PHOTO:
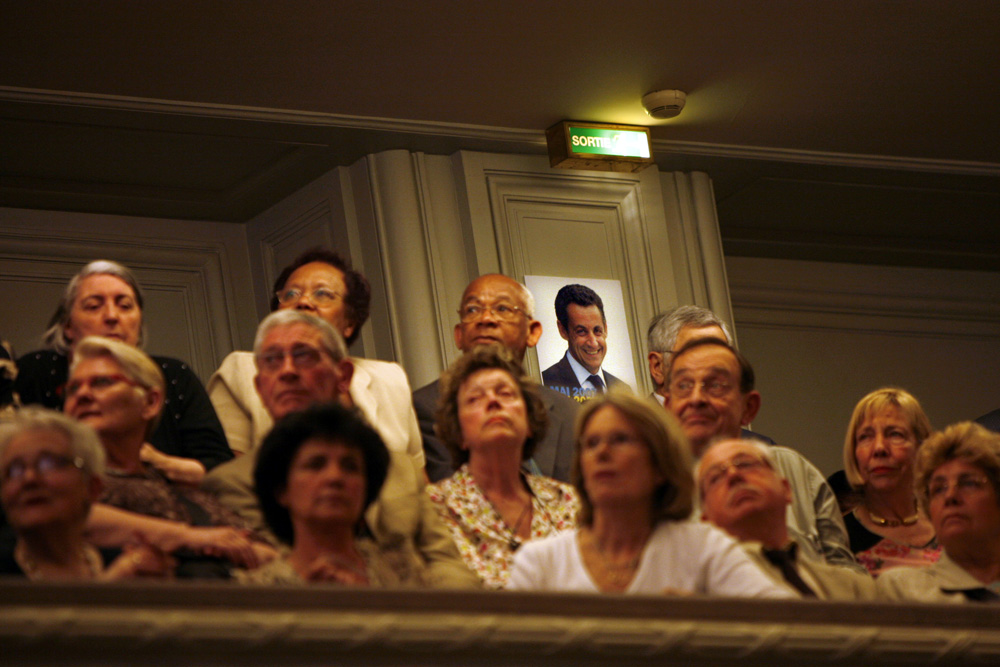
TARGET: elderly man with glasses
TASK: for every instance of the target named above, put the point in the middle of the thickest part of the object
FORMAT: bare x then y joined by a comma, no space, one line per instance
301,361
710,389
497,310
743,493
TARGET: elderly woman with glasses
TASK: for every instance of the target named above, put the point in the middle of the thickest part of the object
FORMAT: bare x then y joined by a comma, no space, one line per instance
322,283
104,299
118,390
958,485
51,470
633,474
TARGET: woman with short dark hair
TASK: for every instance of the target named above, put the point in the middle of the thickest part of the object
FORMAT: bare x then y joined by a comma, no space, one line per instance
317,472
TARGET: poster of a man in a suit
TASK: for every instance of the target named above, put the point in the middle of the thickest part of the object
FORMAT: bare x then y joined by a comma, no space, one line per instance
580,370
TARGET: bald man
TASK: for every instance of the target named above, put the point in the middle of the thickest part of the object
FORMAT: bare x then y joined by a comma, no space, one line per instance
495,310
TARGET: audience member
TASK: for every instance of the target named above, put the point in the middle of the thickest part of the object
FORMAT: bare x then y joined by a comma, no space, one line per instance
580,318
51,470
633,476
743,494
668,332
494,310
316,473
958,484
710,389
875,490
491,417
118,390
321,283
104,299
301,361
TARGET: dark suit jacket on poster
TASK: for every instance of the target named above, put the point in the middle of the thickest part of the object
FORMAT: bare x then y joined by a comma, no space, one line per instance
553,455
560,377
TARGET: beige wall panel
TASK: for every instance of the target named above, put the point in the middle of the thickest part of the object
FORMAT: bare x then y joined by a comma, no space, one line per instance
822,335
313,216
188,271
526,218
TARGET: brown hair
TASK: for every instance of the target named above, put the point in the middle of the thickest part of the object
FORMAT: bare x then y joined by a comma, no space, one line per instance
673,499
484,357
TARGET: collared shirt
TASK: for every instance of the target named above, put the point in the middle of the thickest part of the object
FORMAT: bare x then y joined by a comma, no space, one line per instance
482,537
829,582
583,375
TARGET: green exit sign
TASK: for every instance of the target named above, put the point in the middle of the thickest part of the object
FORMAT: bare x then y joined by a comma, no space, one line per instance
608,141
598,146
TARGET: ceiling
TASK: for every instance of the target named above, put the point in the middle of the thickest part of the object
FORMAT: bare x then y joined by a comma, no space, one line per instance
853,130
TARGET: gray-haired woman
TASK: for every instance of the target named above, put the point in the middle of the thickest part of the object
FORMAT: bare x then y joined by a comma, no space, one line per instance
104,299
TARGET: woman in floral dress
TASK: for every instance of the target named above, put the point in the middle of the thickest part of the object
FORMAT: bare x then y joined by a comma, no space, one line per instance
491,416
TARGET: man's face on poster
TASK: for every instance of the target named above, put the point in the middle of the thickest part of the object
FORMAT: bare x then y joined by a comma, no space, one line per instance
587,335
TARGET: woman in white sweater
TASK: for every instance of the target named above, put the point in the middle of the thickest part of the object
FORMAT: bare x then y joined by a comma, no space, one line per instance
632,473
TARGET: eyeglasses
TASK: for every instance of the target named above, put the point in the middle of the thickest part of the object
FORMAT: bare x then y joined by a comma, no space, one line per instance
504,312
965,484
97,383
303,358
321,296
46,464
715,388
741,464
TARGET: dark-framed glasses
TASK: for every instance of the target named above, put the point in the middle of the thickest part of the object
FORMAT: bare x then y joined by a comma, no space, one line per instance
303,357
45,464
321,296
505,312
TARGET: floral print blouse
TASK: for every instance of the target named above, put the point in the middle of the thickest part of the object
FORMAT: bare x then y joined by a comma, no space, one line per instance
877,553
486,543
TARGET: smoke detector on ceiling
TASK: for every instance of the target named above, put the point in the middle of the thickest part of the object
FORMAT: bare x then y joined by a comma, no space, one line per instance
663,104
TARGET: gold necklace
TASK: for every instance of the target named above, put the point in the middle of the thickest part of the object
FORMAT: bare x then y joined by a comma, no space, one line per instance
891,523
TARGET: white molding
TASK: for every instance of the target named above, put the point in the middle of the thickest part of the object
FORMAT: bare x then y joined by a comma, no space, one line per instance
513,136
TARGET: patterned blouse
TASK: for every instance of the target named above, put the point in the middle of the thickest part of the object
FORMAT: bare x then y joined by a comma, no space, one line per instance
150,493
486,543
877,553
